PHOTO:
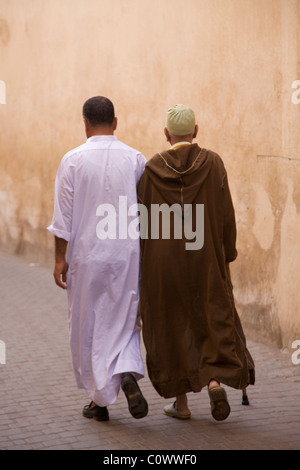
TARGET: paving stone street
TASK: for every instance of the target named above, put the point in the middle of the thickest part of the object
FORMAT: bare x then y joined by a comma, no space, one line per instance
40,406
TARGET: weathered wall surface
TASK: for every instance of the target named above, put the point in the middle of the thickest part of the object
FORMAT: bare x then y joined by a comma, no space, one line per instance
234,62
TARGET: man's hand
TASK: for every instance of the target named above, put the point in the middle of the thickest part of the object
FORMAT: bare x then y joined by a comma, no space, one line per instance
60,273
61,266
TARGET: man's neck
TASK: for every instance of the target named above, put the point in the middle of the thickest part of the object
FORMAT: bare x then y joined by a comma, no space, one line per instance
99,131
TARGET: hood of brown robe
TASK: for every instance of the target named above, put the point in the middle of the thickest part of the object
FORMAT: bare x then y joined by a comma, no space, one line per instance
179,174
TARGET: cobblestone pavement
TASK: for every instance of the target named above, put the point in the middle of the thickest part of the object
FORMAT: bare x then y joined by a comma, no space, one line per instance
40,406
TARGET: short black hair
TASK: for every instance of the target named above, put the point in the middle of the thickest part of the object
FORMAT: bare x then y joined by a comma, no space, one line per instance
98,111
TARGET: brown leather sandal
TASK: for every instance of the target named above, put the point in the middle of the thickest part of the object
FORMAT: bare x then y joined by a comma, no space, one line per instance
137,405
220,408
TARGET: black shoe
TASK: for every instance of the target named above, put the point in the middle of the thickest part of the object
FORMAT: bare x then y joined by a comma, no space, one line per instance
245,400
137,404
99,413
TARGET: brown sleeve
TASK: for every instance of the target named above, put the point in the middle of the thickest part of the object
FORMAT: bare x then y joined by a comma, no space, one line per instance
229,226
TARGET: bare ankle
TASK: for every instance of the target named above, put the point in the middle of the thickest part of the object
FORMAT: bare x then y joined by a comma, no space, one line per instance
213,383
181,404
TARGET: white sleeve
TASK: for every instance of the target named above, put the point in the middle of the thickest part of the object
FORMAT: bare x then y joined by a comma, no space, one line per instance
141,162
61,225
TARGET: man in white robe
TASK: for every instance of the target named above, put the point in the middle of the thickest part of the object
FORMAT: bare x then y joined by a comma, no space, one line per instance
94,189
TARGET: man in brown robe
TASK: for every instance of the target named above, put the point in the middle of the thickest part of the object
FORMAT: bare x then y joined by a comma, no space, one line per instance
192,332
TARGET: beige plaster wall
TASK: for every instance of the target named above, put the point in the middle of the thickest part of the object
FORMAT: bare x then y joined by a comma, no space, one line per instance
233,61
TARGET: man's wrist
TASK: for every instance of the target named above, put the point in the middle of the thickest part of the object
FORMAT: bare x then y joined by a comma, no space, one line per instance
60,250
60,258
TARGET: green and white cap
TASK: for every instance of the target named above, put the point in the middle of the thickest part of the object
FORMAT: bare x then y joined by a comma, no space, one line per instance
180,120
